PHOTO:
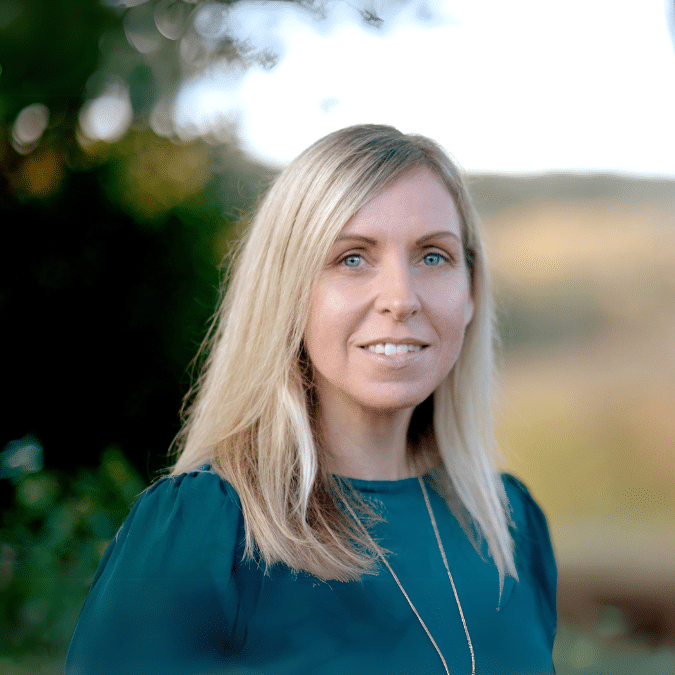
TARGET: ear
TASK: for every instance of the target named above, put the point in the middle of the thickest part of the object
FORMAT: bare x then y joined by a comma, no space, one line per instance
470,304
468,310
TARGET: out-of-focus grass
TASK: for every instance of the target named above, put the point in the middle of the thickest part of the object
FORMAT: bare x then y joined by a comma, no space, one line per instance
582,653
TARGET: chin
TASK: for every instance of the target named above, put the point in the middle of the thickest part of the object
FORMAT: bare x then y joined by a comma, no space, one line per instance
392,401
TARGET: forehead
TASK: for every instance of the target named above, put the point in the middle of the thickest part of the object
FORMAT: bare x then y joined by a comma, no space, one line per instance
417,202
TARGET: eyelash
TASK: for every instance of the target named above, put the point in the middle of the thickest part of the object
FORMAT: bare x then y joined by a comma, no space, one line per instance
444,258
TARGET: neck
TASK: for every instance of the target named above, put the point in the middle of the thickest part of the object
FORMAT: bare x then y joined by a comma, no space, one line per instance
371,445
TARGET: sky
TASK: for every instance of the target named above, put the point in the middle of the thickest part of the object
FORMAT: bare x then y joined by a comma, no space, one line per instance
524,86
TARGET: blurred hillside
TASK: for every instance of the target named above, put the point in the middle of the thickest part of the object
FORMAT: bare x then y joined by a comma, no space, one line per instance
495,193
584,271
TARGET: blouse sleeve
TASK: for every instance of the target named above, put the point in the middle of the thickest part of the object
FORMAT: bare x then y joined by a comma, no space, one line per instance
163,594
534,551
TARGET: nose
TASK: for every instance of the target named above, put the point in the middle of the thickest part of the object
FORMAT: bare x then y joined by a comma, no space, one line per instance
396,292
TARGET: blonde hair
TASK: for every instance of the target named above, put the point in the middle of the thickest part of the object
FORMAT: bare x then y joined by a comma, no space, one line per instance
252,417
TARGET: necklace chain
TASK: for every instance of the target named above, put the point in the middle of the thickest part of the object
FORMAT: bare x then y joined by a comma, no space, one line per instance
447,568
452,582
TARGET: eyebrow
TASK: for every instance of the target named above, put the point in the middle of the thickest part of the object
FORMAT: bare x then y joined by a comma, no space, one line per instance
421,240
439,234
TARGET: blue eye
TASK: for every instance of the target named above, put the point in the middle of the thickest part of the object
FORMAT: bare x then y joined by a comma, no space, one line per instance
352,260
433,259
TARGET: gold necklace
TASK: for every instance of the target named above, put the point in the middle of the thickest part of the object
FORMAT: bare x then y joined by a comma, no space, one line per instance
447,568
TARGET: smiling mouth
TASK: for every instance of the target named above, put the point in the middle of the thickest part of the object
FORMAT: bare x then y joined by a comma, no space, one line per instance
391,349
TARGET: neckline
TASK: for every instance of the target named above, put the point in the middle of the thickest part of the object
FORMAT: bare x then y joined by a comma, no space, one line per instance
380,485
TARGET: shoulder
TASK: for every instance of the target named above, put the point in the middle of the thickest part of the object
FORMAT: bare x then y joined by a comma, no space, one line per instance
198,496
533,548
514,485
519,496
165,578
202,488
528,519
196,512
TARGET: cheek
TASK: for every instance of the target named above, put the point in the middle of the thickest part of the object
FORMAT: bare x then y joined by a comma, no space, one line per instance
451,305
450,319
312,337
324,325
335,304
452,326
334,312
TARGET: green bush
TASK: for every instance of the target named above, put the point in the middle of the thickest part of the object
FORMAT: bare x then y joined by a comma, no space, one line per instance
51,539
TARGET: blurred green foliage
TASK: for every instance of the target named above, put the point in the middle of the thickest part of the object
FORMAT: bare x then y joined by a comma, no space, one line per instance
51,539
48,50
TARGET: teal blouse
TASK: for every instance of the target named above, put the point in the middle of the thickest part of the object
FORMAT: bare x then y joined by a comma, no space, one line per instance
172,595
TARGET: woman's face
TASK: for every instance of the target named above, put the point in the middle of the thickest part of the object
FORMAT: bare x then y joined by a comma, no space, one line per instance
387,317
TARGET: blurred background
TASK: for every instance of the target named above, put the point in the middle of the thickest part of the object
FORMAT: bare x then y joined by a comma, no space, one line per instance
135,134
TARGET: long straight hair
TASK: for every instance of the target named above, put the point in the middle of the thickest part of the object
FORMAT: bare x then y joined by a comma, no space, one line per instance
252,415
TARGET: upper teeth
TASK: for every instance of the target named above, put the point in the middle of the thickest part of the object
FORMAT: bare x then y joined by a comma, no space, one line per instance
390,348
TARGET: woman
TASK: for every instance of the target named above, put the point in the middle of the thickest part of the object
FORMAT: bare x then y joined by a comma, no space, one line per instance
335,506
